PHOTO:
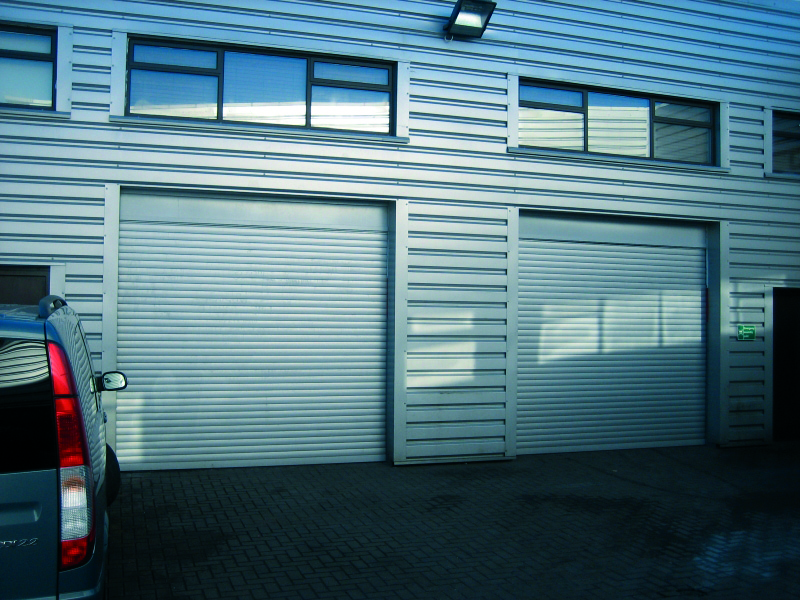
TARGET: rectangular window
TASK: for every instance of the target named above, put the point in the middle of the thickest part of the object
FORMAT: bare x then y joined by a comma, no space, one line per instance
27,67
605,122
190,81
786,142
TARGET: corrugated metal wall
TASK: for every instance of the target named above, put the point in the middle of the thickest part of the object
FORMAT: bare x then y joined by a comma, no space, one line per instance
58,223
743,54
457,332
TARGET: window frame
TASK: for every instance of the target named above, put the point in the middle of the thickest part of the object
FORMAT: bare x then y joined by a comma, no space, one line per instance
713,125
219,72
777,113
52,58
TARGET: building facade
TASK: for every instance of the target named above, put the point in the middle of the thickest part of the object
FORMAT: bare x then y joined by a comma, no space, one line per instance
321,231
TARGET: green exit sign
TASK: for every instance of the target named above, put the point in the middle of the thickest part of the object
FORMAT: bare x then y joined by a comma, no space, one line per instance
746,333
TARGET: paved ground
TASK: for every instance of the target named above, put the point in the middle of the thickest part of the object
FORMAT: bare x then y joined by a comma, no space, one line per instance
696,522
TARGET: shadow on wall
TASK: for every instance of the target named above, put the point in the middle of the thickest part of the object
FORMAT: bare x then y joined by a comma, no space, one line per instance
615,372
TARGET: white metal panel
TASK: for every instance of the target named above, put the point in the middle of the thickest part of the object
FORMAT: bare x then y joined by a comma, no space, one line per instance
739,54
612,338
457,333
761,259
250,342
58,225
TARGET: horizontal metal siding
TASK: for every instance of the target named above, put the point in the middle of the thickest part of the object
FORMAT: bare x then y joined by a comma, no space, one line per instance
747,384
250,344
50,222
761,258
456,359
738,52
611,346
91,72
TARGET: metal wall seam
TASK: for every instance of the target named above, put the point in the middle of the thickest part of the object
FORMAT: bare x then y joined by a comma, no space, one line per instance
512,338
110,302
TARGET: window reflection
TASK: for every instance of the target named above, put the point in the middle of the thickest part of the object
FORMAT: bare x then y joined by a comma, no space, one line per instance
683,112
27,67
180,57
28,82
551,128
254,86
357,110
612,123
619,125
25,42
354,73
173,95
544,95
786,154
685,144
264,89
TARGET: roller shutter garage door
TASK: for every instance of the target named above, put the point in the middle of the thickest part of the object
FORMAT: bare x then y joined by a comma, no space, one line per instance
252,332
612,350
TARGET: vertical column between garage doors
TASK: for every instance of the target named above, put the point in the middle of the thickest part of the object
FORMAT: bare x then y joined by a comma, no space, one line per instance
252,332
612,340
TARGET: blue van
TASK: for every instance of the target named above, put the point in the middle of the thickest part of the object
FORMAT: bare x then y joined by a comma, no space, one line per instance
57,474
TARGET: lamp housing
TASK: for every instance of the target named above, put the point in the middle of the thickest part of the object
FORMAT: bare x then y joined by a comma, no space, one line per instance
469,18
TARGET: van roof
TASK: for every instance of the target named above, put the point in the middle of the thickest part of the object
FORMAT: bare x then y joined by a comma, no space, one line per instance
19,312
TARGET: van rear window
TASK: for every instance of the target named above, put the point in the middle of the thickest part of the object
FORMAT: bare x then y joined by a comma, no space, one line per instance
27,413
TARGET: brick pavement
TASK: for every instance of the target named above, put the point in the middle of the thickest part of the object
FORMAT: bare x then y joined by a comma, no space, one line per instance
696,522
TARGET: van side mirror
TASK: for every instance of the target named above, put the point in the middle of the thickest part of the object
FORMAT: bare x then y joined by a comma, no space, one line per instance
113,381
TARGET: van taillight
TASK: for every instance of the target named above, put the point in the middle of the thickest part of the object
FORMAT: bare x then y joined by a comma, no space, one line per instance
75,473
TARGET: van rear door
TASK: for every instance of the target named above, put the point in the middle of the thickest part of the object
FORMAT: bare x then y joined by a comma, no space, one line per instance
29,503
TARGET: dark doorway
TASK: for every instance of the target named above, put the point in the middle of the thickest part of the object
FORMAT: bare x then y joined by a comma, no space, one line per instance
786,382
23,285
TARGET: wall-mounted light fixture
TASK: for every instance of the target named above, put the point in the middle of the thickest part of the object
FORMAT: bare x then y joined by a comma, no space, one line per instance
469,19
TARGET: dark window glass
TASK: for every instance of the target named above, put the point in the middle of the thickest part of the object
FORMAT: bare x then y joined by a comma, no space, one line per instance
27,68
681,143
23,285
682,112
786,142
27,413
786,123
786,154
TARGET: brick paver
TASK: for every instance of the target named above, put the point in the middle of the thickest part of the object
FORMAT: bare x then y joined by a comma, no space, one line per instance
696,522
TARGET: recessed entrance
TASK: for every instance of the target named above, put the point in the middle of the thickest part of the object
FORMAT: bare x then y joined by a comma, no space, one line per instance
786,328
